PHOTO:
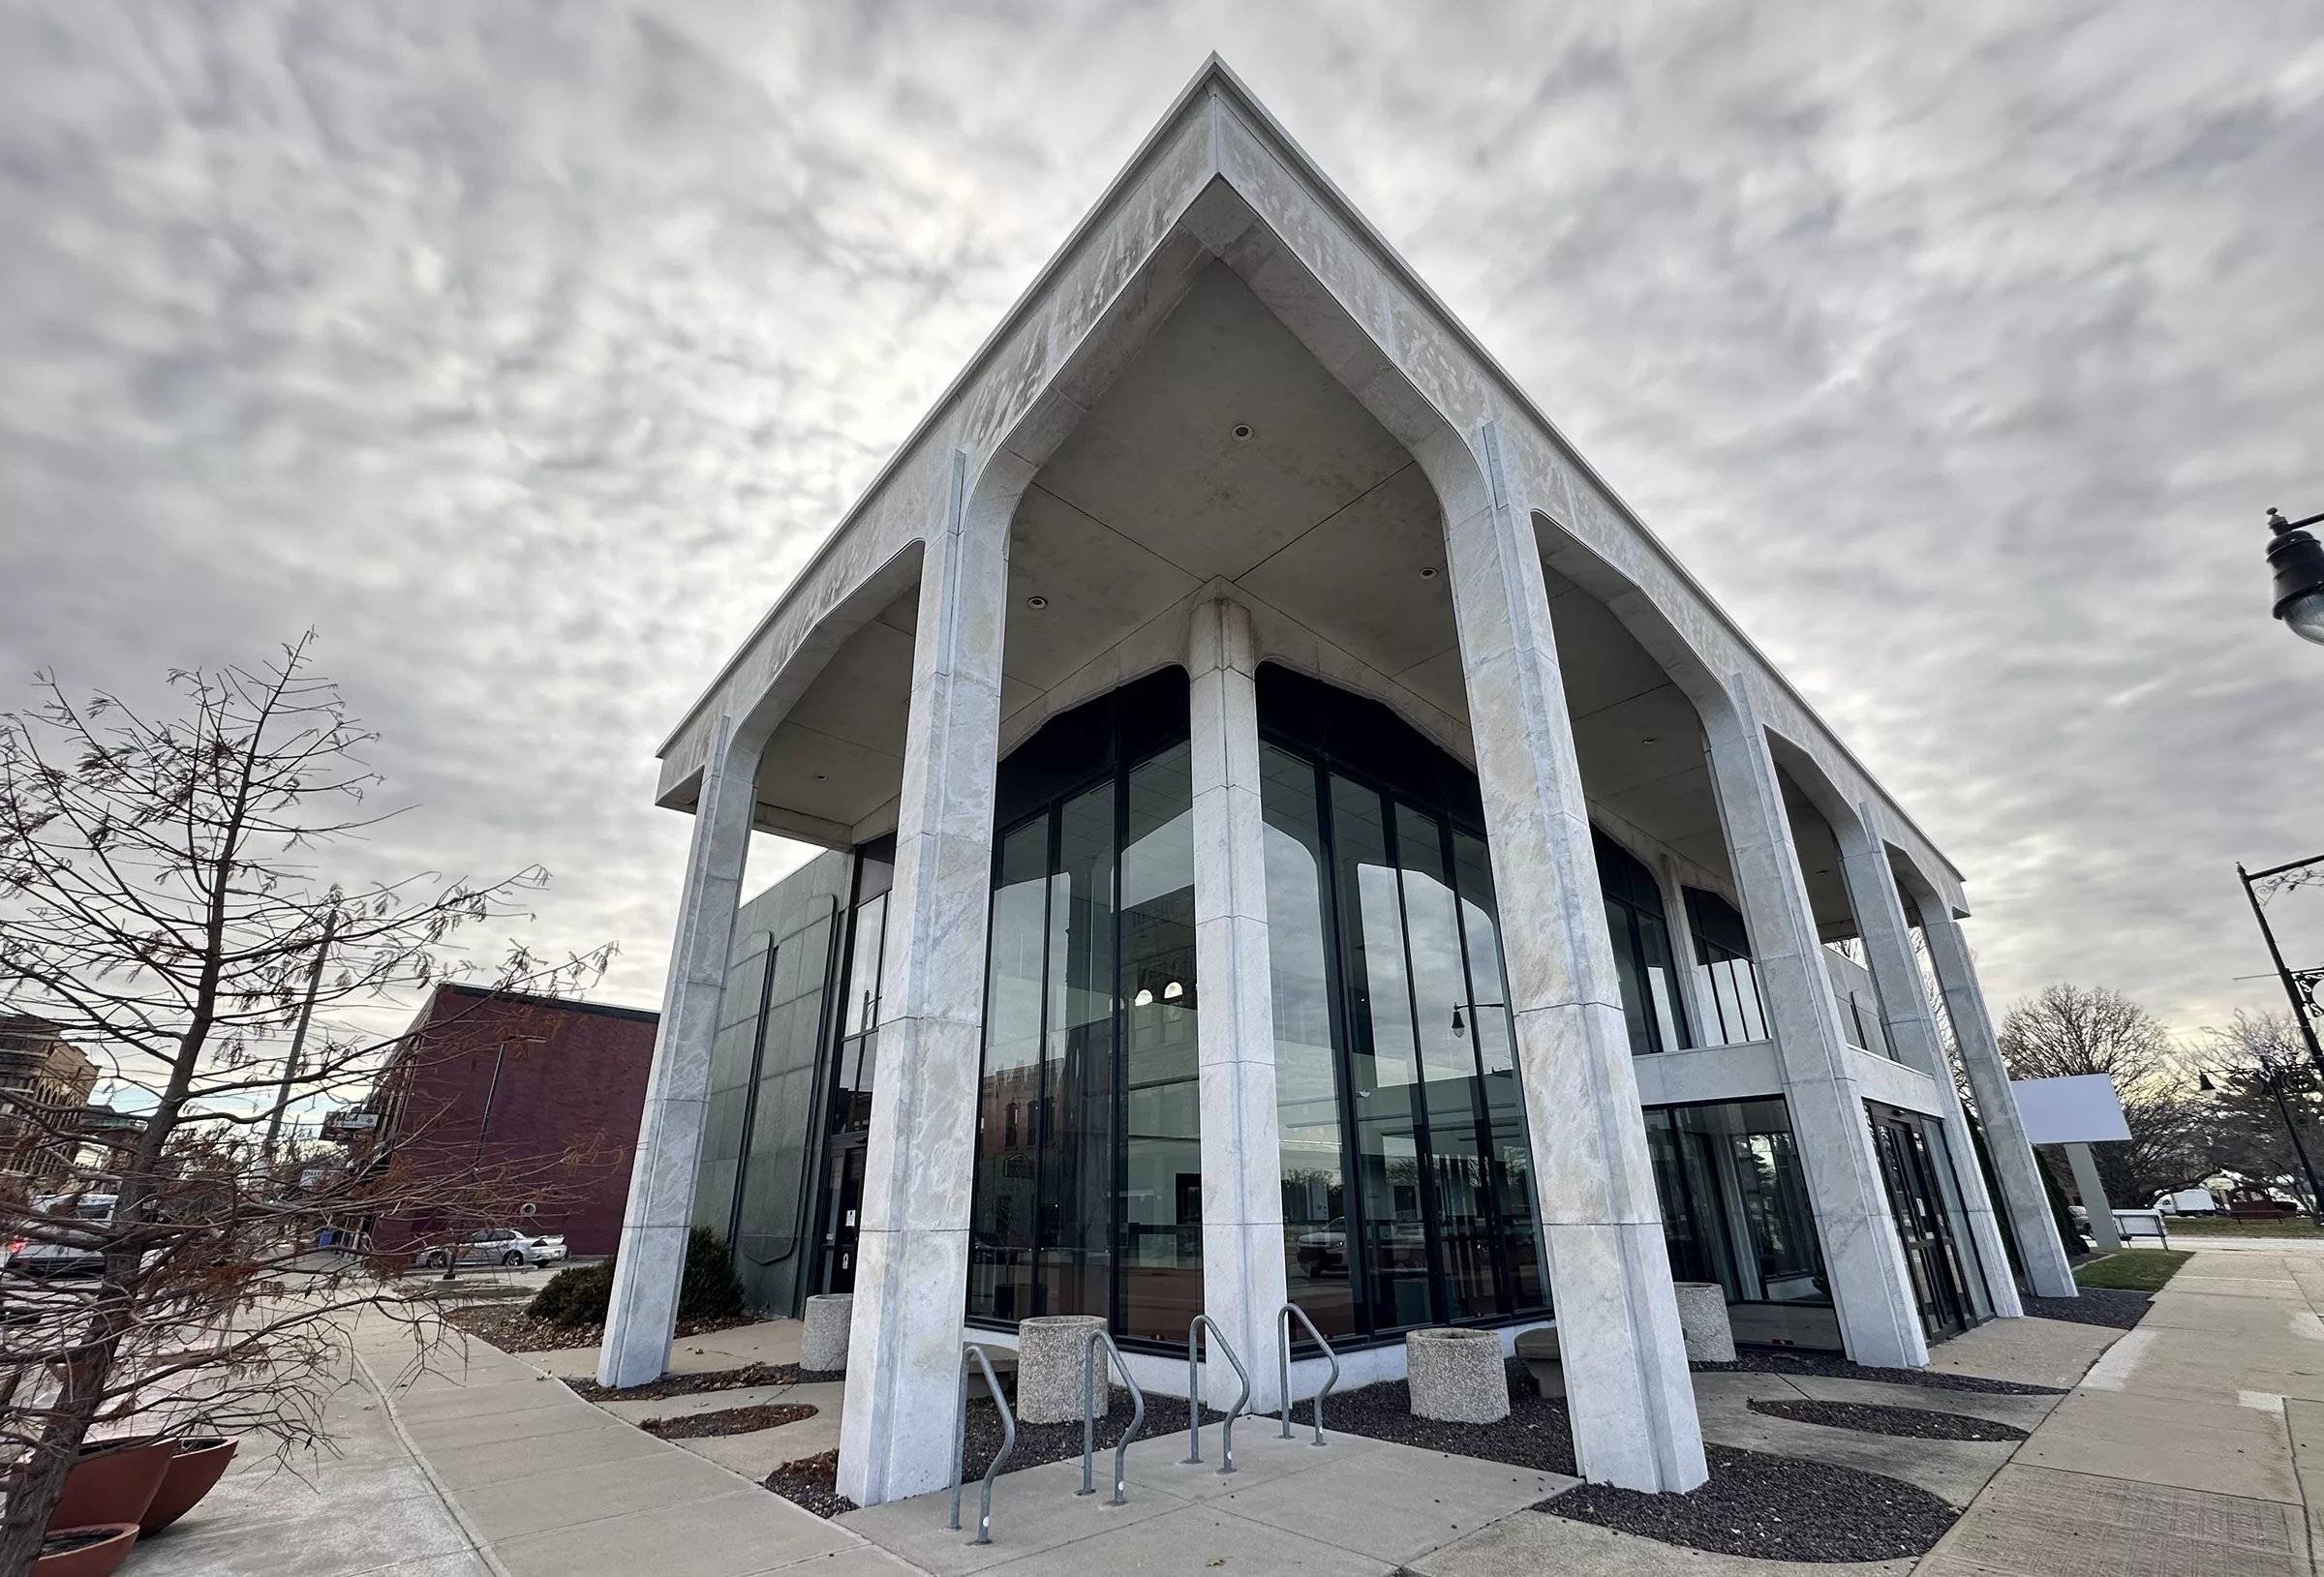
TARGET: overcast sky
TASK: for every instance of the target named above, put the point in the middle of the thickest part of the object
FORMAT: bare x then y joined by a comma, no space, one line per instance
526,352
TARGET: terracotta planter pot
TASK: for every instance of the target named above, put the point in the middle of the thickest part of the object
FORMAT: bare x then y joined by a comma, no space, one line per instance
193,1472
100,1560
113,1481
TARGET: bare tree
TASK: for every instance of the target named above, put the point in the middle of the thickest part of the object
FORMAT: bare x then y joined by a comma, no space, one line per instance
2065,1029
161,902
2263,1107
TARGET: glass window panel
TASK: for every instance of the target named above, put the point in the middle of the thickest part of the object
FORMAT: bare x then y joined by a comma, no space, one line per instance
1077,1172
863,969
1161,1234
1383,1061
1736,1202
1315,1226
1002,1219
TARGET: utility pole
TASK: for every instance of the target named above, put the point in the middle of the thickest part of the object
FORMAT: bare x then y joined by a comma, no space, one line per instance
2300,1007
299,1036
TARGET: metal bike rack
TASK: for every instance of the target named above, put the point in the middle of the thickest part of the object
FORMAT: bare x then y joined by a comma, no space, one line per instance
1283,1353
960,1436
1089,1415
1194,1394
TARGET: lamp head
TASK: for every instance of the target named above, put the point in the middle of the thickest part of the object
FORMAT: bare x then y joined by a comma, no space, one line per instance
2297,560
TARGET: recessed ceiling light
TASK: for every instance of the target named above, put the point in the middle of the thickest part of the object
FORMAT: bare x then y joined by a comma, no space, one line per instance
1429,573
1242,432
822,777
1036,601
1648,740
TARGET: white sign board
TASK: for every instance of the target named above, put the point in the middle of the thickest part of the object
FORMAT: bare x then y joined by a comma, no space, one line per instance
2078,1111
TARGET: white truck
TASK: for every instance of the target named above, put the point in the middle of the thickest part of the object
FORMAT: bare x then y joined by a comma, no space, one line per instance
2187,1202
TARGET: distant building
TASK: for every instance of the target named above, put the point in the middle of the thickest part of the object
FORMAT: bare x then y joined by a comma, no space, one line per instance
544,1089
45,1081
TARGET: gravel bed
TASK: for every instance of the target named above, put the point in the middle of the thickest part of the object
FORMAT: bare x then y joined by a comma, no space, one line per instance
1774,1508
812,1482
512,1330
694,1426
1872,1418
1537,1433
2114,1306
1831,1366
715,1380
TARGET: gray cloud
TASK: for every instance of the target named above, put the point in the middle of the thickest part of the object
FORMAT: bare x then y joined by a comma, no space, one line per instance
527,351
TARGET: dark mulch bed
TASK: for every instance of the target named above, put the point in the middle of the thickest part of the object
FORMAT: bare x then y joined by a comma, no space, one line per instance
1872,1418
512,1330
727,1422
1775,1509
1832,1366
715,1380
1537,1433
812,1482
2113,1307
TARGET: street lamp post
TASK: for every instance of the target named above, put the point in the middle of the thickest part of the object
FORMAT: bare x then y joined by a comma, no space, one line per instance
2297,560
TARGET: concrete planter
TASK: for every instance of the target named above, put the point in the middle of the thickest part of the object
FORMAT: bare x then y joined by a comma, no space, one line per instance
1703,1320
1051,1352
1457,1376
823,1345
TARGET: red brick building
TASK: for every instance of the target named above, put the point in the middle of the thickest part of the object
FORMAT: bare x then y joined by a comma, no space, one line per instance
539,1090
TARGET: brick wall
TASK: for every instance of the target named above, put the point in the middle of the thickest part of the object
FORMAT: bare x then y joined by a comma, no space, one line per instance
542,1092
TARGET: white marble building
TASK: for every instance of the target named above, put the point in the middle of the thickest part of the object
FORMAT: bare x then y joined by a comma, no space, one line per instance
1299,839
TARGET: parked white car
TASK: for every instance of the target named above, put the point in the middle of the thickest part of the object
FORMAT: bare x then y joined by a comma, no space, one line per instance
500,1246
58,1250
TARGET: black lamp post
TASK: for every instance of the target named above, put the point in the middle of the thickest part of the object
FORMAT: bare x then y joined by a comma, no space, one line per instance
2298,562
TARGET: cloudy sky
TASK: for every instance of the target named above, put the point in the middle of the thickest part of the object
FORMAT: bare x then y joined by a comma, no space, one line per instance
525,351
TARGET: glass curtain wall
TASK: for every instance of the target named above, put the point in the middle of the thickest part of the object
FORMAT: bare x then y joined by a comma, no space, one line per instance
1088,1176
1735,1211
847,1095
1730,983
1643,956
1406,1174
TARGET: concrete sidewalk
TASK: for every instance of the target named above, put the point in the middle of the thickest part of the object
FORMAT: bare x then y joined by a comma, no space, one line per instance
2182,1451
548,1485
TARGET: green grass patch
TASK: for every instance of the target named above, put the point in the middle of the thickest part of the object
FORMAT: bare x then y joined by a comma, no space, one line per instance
2133,1270
2221,1226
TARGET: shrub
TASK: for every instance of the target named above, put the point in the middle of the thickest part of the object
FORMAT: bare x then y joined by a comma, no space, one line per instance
580,1295
711,1290
576,1295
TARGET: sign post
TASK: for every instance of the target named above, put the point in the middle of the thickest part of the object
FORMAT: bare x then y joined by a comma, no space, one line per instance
2077,1112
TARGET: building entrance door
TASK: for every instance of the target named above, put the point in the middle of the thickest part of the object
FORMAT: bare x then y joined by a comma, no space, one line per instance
1931,1259
843,1224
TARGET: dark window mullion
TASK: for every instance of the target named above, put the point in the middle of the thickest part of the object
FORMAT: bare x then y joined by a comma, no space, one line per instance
1432,1224
1340,994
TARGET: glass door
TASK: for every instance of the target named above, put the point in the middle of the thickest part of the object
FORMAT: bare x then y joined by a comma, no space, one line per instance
1919,1206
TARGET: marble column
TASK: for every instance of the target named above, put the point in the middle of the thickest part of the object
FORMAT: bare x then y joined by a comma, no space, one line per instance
904,1350
643,1310
2095,1203
2013,1163
1912,1030
1631,1397
1243,1198
1862,1257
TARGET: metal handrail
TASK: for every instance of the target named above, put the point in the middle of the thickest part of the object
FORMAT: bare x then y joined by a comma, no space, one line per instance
960,1436
1089,1415
1194,1394
1283,1351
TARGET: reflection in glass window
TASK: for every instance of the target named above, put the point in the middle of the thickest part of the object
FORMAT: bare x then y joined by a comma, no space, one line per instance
1643,960
1729,985
1087,1196
1407,1186
1735,1211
